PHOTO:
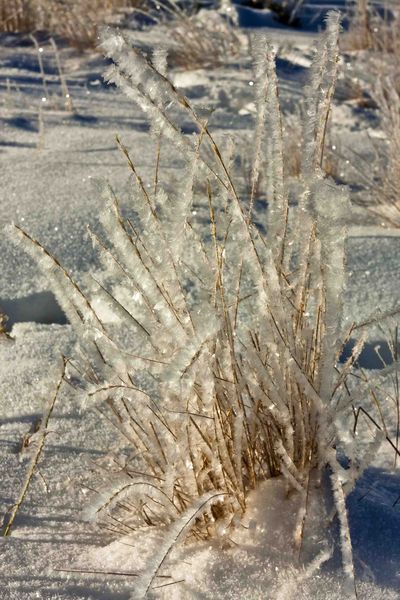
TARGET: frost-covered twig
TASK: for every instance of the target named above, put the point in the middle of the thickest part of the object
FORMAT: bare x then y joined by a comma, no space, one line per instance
41,437
174,533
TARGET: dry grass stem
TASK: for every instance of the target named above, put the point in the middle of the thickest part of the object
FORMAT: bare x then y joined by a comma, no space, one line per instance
41,440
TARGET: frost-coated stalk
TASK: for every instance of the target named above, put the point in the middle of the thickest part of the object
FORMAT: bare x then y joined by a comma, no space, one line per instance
261,90
68,103
289,591
319,95
331,206
278,217
170,540
153,92
72,300
345,538
41,436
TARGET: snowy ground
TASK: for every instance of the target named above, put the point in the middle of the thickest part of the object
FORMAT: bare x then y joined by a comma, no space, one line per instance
51,160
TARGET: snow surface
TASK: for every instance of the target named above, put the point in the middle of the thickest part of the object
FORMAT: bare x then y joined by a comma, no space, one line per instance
48,186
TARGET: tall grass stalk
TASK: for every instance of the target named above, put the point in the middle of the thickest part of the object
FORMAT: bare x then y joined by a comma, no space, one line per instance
41,435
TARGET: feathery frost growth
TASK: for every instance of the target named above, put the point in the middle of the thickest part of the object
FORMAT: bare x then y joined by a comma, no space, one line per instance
229,376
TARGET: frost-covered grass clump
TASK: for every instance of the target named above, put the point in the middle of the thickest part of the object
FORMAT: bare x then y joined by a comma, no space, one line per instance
230,375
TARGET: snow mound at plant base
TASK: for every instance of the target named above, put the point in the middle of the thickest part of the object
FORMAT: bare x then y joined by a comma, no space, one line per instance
255,561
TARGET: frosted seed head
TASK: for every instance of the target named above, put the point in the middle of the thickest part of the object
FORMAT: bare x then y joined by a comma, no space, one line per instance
112,43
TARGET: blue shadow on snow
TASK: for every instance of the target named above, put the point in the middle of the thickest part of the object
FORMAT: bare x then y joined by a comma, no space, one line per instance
374,517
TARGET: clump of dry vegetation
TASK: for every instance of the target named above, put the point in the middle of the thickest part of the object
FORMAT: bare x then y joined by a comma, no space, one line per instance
199,41
377,86
373,30
222,369
381,177
73,20
194,40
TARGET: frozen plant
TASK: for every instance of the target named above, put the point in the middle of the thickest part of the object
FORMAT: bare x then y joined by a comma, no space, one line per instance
372,28
196,37
383,183
222,369
38,446
202,40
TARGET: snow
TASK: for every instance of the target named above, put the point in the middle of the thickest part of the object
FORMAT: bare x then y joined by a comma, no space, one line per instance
49,181
257,561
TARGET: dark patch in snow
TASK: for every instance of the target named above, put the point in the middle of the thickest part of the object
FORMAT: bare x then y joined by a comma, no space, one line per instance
23,80
375,527
21,419
374,355
29,62
105,149
367,114
286,67
59,450
13,40
85,591
38,308
189,128
95,80
195,91
32,86
309,17
23,123
254,18
84,119
13,144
